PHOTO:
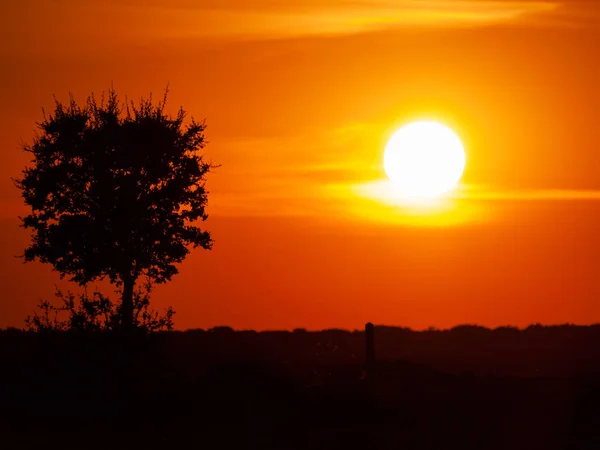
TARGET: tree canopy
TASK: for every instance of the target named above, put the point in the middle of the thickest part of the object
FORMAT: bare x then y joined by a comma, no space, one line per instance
116,189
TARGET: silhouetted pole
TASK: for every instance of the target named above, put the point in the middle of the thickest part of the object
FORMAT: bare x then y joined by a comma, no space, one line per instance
369,345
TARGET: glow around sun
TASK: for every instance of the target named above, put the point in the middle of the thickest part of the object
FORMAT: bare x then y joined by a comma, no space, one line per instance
424,160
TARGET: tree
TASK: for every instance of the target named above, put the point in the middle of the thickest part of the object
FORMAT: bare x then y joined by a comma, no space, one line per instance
116,190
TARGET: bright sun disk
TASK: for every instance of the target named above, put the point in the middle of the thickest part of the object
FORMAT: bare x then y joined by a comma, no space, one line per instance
424,160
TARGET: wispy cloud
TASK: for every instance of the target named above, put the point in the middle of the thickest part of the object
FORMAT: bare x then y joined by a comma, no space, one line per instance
135,20
343,17
487,193
383,190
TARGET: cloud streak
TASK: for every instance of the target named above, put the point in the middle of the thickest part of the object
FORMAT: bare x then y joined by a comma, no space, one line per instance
383,190
343,18
145,21
527,194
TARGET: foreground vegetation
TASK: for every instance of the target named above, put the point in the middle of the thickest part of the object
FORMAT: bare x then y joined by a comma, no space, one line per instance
465,388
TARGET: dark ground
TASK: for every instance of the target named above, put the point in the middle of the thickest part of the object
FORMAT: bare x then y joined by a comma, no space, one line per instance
468,388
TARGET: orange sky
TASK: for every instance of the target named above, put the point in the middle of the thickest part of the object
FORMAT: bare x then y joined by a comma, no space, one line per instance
300,97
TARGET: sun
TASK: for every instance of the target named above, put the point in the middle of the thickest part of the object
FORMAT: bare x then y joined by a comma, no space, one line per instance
424,159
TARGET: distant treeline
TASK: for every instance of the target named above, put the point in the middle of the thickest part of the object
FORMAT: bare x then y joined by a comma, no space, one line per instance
538,350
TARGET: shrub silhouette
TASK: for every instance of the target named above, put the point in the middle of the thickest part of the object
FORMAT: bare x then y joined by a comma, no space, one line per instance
116,190
85,313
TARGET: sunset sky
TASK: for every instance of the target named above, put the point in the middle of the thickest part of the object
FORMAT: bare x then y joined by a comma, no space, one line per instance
300,98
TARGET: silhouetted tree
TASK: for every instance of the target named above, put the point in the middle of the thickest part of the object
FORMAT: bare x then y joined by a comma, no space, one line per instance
116,190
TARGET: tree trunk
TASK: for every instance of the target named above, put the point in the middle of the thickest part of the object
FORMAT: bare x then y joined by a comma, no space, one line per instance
127,303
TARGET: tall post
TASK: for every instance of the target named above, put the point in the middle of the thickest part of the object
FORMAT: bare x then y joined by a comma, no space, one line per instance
369,346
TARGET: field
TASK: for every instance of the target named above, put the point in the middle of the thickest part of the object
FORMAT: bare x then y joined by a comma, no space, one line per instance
465,388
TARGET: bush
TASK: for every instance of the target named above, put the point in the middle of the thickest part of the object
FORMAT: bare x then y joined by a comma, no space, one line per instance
97,313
